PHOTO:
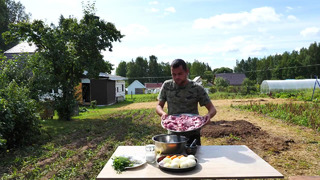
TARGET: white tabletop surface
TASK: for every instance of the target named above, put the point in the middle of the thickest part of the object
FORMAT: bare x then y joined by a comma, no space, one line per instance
214,162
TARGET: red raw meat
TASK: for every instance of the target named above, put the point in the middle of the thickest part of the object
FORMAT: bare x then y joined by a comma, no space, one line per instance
183,122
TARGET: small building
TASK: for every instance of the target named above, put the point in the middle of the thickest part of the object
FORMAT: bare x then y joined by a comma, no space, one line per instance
136,87
234,79
152,88
19,49
106,90
198,80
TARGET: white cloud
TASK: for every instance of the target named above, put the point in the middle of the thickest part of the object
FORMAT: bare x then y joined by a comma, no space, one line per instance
153,2
154,10
237,20
239,46
170,9
310,31
289,8
134,31
292,17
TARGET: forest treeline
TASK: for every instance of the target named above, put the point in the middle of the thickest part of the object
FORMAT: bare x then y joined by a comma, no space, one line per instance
301,64
149,70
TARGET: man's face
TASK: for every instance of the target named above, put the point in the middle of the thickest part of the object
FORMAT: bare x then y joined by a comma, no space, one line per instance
179,75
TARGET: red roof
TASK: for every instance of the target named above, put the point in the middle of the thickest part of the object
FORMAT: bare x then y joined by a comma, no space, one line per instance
152,85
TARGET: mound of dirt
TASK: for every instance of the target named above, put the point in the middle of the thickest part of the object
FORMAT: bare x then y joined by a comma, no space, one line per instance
245,133
239,128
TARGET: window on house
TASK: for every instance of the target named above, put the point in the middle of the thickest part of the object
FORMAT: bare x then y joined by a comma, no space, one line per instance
122,87
117,89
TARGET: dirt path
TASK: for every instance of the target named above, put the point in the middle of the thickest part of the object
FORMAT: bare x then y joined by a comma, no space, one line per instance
292,150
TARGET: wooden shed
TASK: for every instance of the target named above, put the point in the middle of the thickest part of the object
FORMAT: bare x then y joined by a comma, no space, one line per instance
104,90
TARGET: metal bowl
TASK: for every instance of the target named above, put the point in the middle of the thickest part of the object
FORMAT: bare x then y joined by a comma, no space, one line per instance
170,143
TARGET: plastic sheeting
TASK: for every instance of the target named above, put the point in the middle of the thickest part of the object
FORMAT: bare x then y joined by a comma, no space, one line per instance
268,86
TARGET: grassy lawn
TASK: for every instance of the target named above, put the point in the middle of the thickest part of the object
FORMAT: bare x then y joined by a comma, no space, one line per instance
79,149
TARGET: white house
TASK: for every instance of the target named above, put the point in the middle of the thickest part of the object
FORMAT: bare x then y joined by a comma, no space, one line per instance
136,87
120,87
152,88
198,80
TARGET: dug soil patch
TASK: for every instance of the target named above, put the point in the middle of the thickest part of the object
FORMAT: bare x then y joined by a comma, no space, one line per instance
245,133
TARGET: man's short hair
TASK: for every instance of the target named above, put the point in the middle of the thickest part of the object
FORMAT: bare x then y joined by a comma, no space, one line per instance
179,62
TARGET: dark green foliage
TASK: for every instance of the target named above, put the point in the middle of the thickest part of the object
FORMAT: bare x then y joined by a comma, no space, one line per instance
221,82
222,70
16,69
249,86
19,124
122,69
198,68
10,12
65,52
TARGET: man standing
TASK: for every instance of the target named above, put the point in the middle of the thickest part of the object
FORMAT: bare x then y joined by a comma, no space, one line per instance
183,96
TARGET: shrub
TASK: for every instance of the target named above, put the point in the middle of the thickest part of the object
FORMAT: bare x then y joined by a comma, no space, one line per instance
19,124
220,82
93,104
212,89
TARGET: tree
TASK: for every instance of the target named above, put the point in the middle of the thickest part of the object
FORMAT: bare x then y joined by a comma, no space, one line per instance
221,82
67,50
249,85
15,69
222,70
131,72
122,69
208,75
154,68
11,12
197,69
165,71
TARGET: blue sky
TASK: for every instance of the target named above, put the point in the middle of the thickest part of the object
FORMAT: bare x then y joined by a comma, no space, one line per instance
217,32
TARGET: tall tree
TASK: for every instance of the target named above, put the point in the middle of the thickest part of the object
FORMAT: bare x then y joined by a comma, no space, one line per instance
165,71
67,50
131,72
197,69
122,69
11,12
154,68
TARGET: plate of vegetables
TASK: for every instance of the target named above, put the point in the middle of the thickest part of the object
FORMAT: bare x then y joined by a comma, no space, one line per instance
124,162
177,163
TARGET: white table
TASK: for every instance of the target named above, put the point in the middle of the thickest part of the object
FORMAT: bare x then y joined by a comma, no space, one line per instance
214,162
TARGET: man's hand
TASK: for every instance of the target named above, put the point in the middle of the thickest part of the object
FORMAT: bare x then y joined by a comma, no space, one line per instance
164,116
207,118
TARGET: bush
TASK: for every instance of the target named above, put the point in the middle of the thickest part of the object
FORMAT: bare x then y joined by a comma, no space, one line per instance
93,104
221,82
19,124
212,89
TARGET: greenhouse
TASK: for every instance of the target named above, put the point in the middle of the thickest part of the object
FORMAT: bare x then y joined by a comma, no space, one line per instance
268,86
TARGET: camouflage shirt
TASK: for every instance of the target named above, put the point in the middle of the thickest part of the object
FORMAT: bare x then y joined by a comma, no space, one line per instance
183,99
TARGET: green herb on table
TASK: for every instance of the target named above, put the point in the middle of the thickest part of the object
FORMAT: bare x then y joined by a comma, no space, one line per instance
120,163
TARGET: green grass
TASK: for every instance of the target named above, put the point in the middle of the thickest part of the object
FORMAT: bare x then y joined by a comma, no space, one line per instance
141,97
302,95
305,114
81,147
217,95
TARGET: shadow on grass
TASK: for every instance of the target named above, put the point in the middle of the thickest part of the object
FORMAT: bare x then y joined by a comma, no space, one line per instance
131,127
